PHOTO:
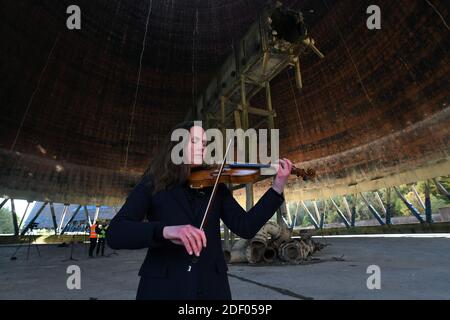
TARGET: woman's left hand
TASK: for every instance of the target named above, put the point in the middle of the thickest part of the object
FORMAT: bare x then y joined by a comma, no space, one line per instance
284,171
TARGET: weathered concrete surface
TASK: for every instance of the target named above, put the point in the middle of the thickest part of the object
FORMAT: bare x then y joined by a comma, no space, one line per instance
363,120
411,268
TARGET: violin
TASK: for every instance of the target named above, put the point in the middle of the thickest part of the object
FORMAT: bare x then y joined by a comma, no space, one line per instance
237,173
230,173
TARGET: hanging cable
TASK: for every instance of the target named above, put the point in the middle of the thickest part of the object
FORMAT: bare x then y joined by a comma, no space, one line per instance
30,102
351,58
300,120
438,13
138,82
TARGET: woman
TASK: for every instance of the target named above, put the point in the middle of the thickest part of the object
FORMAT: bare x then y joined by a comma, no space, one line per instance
174,213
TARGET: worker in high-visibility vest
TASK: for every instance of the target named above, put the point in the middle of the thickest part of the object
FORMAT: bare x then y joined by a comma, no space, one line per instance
101,235
92,239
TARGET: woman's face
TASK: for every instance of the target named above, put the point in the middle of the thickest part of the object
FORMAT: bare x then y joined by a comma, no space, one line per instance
196,146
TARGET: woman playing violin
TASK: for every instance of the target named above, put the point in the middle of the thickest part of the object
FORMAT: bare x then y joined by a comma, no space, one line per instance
162,213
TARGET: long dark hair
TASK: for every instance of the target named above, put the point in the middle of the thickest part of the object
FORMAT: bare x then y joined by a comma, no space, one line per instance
162,173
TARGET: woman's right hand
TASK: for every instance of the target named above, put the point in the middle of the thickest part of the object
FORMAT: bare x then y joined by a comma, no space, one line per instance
192,238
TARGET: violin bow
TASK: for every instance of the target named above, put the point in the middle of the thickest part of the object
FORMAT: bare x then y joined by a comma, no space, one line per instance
211,198
213,194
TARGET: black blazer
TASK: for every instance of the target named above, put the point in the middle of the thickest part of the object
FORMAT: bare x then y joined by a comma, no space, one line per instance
164,272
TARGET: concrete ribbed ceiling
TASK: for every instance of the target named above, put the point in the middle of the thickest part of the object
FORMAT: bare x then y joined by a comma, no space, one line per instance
376,106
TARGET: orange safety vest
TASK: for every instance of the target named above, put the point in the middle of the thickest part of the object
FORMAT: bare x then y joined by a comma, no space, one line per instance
93,234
